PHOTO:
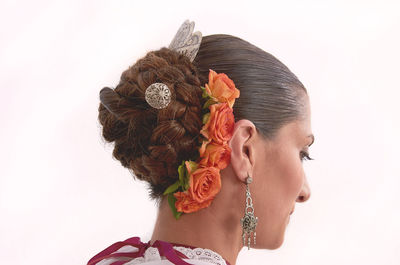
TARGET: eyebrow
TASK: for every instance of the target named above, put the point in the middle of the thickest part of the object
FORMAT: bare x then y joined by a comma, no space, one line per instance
313,138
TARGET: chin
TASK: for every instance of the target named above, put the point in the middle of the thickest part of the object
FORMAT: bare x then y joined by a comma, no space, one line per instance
277,244
272,243
271,239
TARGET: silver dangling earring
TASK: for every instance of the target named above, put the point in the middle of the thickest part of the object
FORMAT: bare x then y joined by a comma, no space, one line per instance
249,221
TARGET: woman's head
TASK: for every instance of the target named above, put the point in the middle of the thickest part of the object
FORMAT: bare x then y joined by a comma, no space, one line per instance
272,131
278,176
272,118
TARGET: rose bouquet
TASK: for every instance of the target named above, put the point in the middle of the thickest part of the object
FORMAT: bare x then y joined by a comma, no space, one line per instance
199,181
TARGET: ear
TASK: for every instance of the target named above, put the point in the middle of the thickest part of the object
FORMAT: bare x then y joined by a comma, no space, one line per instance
242,146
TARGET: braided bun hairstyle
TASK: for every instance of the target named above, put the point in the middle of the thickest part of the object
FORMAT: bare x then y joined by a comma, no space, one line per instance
150,142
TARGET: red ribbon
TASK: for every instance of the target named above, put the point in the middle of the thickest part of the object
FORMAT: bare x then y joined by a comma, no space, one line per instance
165,249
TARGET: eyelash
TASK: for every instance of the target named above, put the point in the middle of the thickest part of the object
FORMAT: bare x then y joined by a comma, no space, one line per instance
305,156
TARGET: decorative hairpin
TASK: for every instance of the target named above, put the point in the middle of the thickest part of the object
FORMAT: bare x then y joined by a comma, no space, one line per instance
158,95
185,41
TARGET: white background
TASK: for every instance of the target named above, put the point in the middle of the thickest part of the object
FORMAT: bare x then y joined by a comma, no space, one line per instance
62,196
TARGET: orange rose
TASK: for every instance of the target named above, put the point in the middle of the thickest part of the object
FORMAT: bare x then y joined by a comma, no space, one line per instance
205,183
203,146
220,124
215,155
221,88
185,203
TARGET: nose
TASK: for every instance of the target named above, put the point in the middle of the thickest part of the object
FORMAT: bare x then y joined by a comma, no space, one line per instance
305,192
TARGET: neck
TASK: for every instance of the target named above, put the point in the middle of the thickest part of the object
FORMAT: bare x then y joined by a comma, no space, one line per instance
216,227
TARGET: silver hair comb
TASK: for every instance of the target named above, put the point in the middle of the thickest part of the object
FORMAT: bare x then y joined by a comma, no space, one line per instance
158,95
185,41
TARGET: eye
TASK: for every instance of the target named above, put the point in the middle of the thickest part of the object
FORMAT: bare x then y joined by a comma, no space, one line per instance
305,156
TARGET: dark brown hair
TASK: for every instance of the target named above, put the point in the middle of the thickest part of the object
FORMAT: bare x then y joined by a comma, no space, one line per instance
152,143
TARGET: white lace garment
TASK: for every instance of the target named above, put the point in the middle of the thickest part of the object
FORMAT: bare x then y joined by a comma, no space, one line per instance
197,256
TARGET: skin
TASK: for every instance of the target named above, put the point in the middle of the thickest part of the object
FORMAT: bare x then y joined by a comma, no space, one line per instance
278,183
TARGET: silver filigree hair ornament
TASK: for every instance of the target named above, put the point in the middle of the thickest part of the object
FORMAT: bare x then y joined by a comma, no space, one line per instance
185,41
158,95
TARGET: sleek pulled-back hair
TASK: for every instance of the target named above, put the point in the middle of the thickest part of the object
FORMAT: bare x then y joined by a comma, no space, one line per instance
152,143
270,94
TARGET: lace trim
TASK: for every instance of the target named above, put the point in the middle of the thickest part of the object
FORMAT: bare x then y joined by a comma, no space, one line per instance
203,254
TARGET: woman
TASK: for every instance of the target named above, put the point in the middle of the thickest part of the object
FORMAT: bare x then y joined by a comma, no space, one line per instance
247,193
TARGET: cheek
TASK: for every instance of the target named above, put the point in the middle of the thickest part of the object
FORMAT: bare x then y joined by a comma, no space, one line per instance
276,185
281,181
292,175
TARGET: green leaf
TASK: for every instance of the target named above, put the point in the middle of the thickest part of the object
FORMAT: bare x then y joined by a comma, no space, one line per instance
205,94
185,179
171,201
208,103
173,187
181,171
206,117
192,166
183,175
